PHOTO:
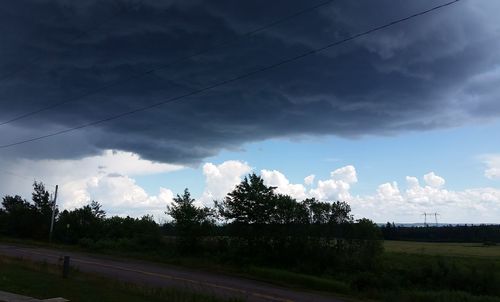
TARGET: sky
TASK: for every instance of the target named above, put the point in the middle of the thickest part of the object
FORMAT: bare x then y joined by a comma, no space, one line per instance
129,102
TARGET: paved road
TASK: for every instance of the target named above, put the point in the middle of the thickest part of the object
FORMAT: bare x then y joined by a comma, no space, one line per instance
158,275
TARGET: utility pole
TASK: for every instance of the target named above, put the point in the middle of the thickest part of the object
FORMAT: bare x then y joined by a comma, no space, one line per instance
53,214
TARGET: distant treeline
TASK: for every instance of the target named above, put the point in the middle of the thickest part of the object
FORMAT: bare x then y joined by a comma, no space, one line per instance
487,234
252,225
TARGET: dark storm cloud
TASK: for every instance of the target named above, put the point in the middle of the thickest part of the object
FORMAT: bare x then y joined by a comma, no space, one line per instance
436,71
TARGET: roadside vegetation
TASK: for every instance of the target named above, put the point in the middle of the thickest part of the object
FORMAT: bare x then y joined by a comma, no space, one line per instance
43,281
257,233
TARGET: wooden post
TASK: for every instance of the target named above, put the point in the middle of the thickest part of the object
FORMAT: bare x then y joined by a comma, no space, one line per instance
66,267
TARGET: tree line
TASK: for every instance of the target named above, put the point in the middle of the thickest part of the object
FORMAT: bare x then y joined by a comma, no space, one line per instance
484,233
21,218
253,224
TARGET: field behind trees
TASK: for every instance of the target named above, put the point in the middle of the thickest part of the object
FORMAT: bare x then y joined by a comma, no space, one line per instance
475,250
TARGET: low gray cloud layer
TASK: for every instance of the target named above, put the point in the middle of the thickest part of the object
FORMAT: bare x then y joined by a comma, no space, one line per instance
440,70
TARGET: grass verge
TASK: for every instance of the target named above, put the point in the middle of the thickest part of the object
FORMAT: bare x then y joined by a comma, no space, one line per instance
290,279
44,281
436,296
409,271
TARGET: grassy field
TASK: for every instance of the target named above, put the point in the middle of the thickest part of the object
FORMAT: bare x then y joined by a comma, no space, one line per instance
443,249
44,281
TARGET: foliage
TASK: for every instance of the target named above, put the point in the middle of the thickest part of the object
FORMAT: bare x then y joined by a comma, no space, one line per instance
89,227
488,234
97,210
41,200
17,216
190,221
82,222
266,228
21,218
406,272
251,202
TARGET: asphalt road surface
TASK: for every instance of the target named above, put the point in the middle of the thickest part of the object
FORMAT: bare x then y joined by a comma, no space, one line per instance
158,275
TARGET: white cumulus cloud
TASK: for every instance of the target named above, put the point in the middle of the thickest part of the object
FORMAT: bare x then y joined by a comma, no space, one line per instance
338,186
283,186
334,188
346,174
309,180
221,179
123,197
492,162
433,180
390,202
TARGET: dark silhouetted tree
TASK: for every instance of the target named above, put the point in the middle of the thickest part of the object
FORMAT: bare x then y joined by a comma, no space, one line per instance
79,223
340,212
319,212
189,221
18,217
288,211
43,206
41,199
97,210
250,202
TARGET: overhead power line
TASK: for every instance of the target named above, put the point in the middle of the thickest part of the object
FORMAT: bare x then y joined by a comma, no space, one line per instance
171,63
234,79
81,34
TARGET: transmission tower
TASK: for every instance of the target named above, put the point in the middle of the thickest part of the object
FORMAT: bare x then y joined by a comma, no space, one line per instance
436,217
425,218
425,214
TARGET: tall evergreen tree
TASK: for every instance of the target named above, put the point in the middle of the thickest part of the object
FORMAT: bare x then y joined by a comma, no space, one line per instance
190,221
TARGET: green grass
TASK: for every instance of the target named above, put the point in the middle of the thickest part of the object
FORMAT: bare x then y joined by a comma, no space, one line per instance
301,281
274,276
407,271
44,281
443,249
436,296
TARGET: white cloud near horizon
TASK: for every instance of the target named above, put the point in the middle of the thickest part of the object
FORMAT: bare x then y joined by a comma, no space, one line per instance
390,203
476,205
107,178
